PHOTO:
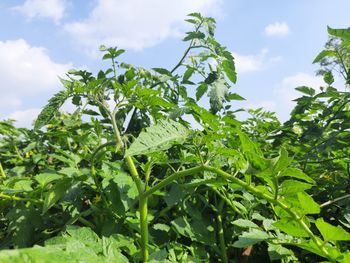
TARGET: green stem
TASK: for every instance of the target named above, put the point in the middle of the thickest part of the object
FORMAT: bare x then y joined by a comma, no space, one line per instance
224,198
2,173
172,178
221,232
16,198
144,227
272,200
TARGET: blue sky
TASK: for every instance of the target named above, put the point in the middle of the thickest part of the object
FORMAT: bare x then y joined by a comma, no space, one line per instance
273,42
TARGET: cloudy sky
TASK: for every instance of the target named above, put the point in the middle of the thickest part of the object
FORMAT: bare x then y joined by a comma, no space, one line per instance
274,43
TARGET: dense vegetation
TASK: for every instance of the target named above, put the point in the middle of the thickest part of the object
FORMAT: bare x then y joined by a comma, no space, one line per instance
125,178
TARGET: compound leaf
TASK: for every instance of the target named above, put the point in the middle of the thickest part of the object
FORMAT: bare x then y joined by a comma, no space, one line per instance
158,137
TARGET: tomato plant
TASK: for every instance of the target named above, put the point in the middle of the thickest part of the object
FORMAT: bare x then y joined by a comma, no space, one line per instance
124,178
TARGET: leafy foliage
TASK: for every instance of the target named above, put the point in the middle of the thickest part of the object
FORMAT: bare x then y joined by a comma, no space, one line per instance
126,179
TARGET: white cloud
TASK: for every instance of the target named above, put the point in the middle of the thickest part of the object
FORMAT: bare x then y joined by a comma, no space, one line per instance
252,63
10,102
53,9
286,89
135,24
277,29
24,118
26,71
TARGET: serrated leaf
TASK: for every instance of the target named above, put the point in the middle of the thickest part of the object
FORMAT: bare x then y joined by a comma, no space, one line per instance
308,205
330,232
201,90
217,95
343,33
161,227
163,71
277,252
252,152
328,77
244,223
291,227
306,90
50,109
212,76
158,137
194,35
44,178
292,187
188,73
282,161
229,68
234,96
55,194
323,54
252,237
296,173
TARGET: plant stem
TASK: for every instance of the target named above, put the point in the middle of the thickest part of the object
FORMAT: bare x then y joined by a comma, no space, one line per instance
335,200
16,198
272,200
144,227
172,178
221,232
2,173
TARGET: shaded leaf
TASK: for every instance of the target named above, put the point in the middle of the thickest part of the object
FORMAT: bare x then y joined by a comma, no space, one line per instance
291,227
252,237
244,223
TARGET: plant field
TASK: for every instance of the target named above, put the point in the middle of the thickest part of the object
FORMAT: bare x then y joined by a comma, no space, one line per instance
126,177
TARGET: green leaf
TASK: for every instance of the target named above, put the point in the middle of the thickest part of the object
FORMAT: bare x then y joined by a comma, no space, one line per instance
306,90
212,76
291,227
252,237
187,75
323,54
229,68
161,227
268,175
292,187
159,137
163,71
205,117
244,223
252,151
296,173
282,161
328,77
277,252
217,95
44,178
343,33
234,96
330,232
308,205
201,90
55,194
175,195
194,35
50,109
